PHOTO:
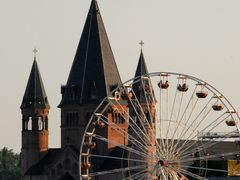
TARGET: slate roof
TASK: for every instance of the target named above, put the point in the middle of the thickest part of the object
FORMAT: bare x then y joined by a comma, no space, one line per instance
52,156
141,67
94,70
35,95
140,71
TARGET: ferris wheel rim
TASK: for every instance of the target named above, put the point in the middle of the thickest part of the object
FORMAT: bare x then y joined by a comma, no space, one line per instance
207,85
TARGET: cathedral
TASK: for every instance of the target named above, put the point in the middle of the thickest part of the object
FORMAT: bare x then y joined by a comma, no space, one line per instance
93,75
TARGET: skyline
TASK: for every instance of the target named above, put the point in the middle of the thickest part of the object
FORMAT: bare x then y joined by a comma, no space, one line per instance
178,37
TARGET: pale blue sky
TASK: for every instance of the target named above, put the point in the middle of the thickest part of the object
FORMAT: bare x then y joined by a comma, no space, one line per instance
196,37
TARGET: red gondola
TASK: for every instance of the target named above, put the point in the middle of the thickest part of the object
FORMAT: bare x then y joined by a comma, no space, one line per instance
99,124
230,123
218,107
183,87
202,94
163,85
91,145
86,165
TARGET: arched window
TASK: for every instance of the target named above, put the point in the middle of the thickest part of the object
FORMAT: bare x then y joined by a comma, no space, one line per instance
29,124
117,118
24,123
122,120
40,123
46,124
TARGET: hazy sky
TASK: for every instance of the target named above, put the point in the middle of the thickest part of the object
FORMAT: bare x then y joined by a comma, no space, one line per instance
196,37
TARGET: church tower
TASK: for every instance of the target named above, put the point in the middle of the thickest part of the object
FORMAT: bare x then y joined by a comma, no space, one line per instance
93,76
35,109
145,95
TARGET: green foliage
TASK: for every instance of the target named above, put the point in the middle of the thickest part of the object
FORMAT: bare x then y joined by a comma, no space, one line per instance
9,164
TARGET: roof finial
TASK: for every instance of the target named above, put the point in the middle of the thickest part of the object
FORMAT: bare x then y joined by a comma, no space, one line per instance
35,52
141,43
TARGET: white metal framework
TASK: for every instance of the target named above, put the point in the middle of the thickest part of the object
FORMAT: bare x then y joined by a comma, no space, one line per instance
158,126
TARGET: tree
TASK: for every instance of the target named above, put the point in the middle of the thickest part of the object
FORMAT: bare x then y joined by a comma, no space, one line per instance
9,164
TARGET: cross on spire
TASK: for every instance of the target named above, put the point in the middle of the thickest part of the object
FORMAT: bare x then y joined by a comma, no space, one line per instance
35,52
141,43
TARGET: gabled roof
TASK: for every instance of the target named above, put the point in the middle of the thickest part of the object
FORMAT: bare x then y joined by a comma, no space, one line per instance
35,95
53,155
94,70
140,71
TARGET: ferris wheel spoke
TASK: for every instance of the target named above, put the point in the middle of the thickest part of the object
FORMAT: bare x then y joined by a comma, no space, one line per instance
195,119
144,120
189,140
169,123
208,157
200,148
204,168
163,95
135,127
180,105
192,131
178,171
208,144
134,123
138,174
124,133
149,97
139,108
112,171
183,171
173,105
142,154
115,157
163,173
139,177
182,117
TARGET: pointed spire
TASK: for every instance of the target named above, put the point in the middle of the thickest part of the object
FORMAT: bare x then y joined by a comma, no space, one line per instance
140,71
35,95
93,66
141,67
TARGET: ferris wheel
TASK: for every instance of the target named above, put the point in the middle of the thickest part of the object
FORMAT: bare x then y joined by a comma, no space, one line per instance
162,125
